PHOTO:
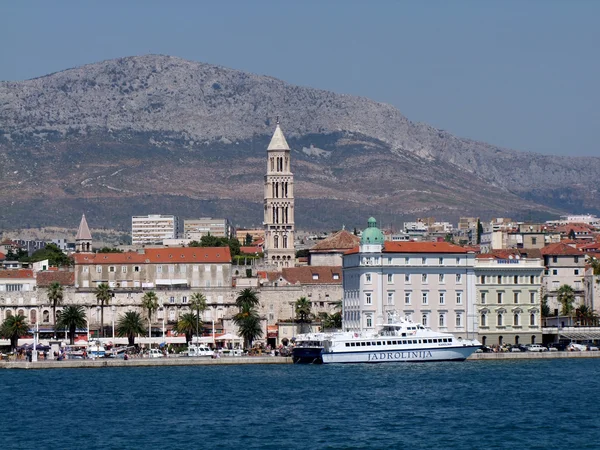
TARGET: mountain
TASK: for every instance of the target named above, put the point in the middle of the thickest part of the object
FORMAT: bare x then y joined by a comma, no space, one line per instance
158,134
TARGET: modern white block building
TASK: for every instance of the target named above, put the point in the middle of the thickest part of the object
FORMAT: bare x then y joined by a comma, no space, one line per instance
153,229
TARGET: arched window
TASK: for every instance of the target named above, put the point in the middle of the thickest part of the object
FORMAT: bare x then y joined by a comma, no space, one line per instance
276,241
424,320
46,316
499,319
20,312
32,316
500,340
516,319
532,319
516,340
483,340
285,241
533,339
483,319
442,320
8,314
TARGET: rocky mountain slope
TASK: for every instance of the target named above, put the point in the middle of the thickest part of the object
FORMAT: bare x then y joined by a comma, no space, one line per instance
153,134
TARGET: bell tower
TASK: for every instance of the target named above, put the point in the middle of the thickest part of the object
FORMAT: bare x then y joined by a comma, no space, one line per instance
279,204
83,240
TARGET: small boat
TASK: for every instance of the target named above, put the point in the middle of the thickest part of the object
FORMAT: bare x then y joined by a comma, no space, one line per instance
96,350
308,348
199,350
399,341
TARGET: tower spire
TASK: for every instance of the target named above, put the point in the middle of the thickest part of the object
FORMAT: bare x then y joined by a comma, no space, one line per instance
83,240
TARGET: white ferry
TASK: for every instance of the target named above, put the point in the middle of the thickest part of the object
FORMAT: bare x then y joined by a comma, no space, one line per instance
401,341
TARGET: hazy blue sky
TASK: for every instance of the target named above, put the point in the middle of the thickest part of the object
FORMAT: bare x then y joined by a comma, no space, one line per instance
520,74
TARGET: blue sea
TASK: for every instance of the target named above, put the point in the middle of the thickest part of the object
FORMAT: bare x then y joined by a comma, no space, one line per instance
547,404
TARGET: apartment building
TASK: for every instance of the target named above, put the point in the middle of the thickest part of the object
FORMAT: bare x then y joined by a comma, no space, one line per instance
564,264
153,229
431,282
196,228
508,284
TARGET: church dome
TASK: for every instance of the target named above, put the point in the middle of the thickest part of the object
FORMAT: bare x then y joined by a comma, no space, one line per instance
372,235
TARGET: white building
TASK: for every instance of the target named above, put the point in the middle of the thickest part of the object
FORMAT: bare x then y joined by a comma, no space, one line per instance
152,229
432,282
196,228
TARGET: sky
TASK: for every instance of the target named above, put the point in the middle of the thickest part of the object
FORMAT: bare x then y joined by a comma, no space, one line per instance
519,74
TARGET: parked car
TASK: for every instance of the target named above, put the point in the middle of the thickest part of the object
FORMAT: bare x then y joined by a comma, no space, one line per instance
557,346
536,348
155,353
592,348
573,347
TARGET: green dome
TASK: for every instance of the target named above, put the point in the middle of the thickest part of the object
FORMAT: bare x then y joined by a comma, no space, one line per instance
372,235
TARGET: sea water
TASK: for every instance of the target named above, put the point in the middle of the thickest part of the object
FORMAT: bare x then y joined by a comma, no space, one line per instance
536,404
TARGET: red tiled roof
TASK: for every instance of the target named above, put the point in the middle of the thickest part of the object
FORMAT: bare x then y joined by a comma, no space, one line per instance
46,278
171,255
507,253
306,274
16,273
340,241
2,256
559,249
417,247
251,250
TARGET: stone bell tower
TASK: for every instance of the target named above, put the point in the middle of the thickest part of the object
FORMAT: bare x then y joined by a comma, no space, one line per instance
279,204
83,240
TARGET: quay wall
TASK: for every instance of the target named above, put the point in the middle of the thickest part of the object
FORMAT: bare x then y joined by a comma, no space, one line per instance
532,355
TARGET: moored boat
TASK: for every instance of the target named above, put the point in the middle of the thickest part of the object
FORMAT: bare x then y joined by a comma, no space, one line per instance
401,341
308,348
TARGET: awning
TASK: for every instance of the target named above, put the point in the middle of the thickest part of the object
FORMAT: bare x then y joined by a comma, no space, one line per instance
581,336
272,331
171,282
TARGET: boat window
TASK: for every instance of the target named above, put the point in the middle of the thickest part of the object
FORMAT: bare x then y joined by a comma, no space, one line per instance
403,334
347,344
368,343
435,341
363,343
389,342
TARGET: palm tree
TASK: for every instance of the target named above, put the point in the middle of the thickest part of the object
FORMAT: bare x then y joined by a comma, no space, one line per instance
103,295
247,296
71,317
188,322
130,324
303,314
55,296
595,263
198,304
586,315
150,303
566,297
248,323
13,328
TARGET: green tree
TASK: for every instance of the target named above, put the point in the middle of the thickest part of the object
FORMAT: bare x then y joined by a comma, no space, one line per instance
150,304
13,328
479,231
130,325
331,321
198,304
187,324
55,296
71,318
571,234
110,250
248,240
566,297
53,254
103,295
247,297
248,323
595,264
213,241
302,308
19,255
545,307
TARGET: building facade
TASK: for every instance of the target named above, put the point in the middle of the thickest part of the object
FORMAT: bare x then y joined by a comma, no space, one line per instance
196,228
564,264
153,229
509,297
431,282
279,204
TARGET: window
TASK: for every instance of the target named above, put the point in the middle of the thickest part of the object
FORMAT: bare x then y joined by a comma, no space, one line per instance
516,279
482,279
111,269
554,271
425,298
196,268
98,269
407,298
336,276
442,298
459,278
390,278
441,261
499,279
532,279
555,284
390,298
369,322
423,261
184,299
459,319
532,319
368,298
207,284
483,297
459,298
457,261
576,272
86,269
500,297
424,278
442,320
158,269
576,259
171,299
207,268
136,268
123,269
533,241
499,319
171,268
516,319
406,260
515,297
182,268
424,320
368,278
389,261
441,277
483,320
555,259
315,276
532,297
407,277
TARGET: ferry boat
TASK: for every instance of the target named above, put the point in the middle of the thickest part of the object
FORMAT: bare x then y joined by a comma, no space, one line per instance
400,341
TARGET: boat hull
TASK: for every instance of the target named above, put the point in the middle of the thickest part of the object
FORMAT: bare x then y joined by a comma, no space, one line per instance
400,355
307,355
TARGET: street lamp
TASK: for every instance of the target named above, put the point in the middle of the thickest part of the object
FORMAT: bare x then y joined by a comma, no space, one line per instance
113,308
98,319
163,320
